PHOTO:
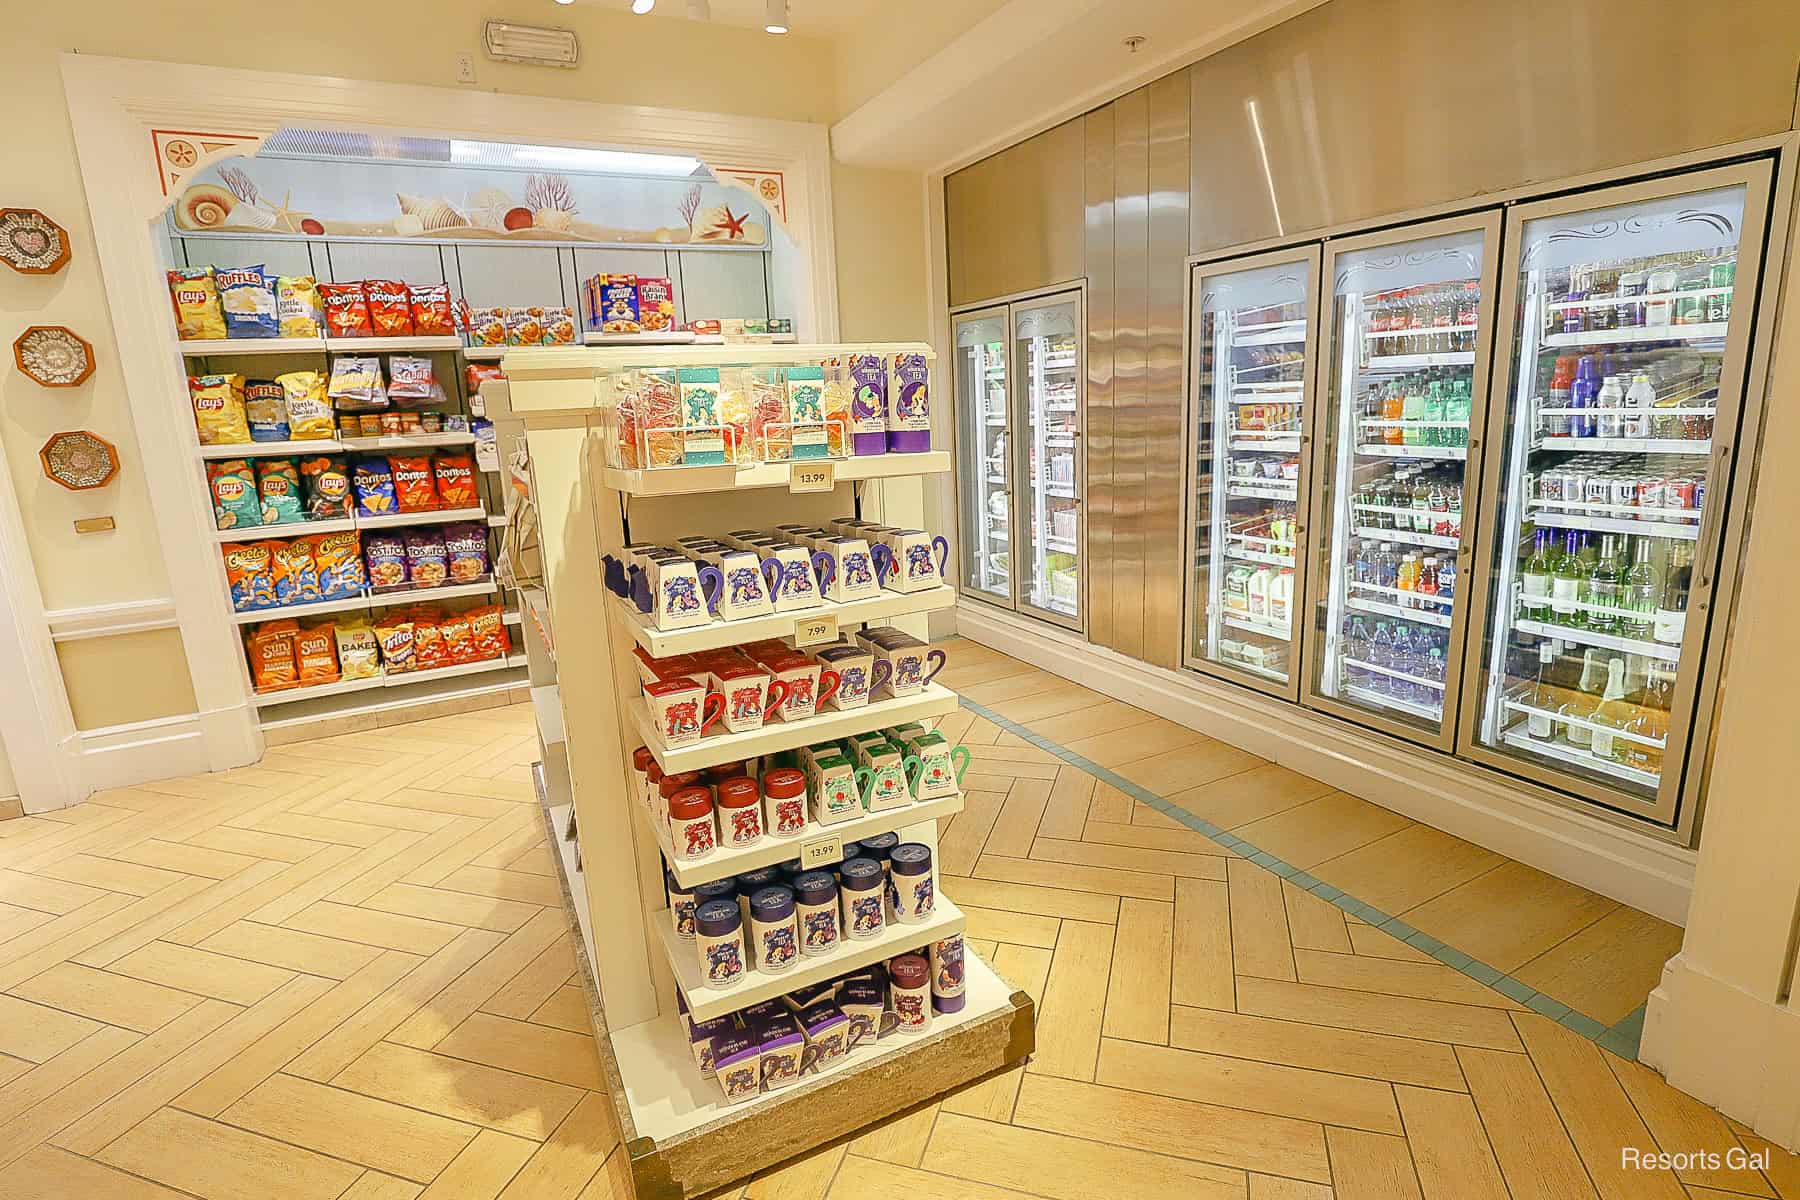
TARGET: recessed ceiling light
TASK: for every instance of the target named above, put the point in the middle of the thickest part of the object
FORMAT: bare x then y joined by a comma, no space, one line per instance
565,1
640,7
700,10
777,17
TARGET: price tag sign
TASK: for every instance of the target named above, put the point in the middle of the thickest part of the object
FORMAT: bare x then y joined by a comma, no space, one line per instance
812,476
821,852
814,630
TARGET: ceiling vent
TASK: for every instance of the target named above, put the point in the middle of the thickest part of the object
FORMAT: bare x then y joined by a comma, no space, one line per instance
535,45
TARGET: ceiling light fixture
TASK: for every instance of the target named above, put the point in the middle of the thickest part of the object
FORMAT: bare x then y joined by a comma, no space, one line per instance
777,21
640,7
700,10
565,1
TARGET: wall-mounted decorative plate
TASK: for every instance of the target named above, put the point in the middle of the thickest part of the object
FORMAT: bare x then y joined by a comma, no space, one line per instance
79,460
31,242
54,356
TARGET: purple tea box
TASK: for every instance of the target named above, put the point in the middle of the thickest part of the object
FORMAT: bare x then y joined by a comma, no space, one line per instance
737,1065
806,997
827,1031
702,1035
783,1048
757,1014
861,1002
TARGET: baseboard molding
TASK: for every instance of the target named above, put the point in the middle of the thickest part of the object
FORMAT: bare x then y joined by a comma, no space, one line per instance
1471,802
142,752
110,620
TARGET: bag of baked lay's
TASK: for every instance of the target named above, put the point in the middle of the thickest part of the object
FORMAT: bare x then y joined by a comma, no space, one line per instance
219,409
250,570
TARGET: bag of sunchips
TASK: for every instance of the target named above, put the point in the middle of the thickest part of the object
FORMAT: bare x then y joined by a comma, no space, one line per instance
272,666
315,654
195,293
219,409
235,502
358,655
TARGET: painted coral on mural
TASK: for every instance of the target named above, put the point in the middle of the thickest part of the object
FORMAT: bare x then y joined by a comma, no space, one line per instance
464,204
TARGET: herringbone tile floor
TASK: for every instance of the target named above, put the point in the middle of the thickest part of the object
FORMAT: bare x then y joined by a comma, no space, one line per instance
345,974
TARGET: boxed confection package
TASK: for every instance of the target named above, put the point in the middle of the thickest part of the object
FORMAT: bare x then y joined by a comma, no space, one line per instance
827,1031
861,1001
737,1065
703,1036
783,1049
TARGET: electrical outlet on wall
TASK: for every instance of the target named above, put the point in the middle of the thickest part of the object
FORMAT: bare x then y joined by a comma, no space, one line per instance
465,68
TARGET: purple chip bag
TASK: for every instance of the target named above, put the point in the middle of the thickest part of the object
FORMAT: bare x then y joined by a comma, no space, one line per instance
427,562
384,557
466,547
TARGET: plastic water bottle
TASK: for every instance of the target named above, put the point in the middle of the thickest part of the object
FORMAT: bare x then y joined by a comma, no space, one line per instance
1381,654
1405,661
1356,648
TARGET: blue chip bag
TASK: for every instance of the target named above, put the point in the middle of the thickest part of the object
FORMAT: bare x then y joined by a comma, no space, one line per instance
278,486
266,409
373,479
296,576
247,295
251,572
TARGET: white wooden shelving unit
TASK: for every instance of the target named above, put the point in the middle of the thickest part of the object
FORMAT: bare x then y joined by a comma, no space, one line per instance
580,640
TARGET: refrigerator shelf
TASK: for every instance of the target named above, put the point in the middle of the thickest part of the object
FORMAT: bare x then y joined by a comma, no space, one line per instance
1412,537
1600,445
1436,684
1520,706
1259,556
1059,545
1378,589
1383,700
1276,443
1380,609
1540,515
1285,387
1376,335
1383,450
1240,664
1621,301
1252,625
1412,362
1263,489
1274,333
1604,641
1633,334
1517,738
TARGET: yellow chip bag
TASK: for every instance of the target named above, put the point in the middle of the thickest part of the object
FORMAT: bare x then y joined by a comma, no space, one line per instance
219,409
308,410
298,307
195,294
357,652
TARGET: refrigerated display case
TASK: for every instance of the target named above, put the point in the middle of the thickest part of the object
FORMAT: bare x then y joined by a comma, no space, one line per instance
1629,314
1252,341
1019,378
1405,352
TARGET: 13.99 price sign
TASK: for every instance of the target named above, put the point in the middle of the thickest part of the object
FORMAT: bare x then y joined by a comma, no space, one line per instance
812,477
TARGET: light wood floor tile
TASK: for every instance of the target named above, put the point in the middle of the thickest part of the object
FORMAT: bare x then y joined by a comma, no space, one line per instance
1151,837
1784,1167
1050,702
567,1008
1371,1166
454,908
860,1178
1142,739
503,885
521,995
1510,915
1450,1149
254,842
1066,809
1535,1154
1025,967
899,1139
322,829
1678,1121
466,1091
1188,766
207,897
388,1137
221,1163
1423,981
1021,929
185,859
104,996
44,894
1312,923
388,816
1316,1047
1407,868
375,1186
990,1099
1321,829
110,874
989,693
390,930
803,1178
532,1049
1249,796
1201,968
483,1169
27,1092
449,1007
300,875
48,1173
1376,943
36,1032
1107,881
11,1068
959,845
1239,1083
1181,1128
1011,1157
562,1166
1430,1020
1273,1187
201,972
1607,969
1130,858
1137,996
16,919
1068,1036
1017,823
1260,943
1031,899
1110,805
293,949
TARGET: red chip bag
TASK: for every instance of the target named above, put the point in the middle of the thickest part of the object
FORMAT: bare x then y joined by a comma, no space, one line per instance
487,624
459,639
431,312
390,307
346,309
429,648
455,475
415,487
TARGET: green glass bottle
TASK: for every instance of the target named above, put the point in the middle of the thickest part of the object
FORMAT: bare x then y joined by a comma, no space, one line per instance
1605,585
1639,593
1568,584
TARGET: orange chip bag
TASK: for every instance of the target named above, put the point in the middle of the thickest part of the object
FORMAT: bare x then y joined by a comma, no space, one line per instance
315,654
272,666
459,638
390,307
455,480
394,635
429,648
487,625
415,485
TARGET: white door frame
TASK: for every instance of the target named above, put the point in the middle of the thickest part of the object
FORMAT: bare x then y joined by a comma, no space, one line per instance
123,112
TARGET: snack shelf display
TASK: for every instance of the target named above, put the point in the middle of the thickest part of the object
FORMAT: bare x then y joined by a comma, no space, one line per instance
671,1010
366,600
401,679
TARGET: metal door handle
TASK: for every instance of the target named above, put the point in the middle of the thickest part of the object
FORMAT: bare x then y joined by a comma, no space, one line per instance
1703,558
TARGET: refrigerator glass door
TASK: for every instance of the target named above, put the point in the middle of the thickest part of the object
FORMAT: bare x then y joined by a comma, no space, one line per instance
1405,356
1632,309
1251,354
984,468
1048,526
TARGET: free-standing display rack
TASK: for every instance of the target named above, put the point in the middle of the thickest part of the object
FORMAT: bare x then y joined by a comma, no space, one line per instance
680,1139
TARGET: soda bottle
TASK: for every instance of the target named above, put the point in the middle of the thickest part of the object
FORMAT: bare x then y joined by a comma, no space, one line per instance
1468,312
1722,275
1457,413
1659,306
1638,594
1447,578
1421,504
1432,432
1439,504
1455,503
1584,391
1610,400
1561,380
1443,319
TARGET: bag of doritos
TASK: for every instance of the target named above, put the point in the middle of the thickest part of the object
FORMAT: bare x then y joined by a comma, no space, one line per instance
374,483
346,310
390,307
455,474
415,488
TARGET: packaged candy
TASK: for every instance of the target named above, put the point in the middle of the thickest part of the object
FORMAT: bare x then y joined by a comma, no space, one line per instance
250,570
619,304
247,294
298,310
771,433
487,445
394,635
325,487
659,411
410,378
455,473
559,327
219,409
524,326
308,410
487,624
384,559
356,384
338,557
431,312
373,480
195,294
429,648
656,304
296,573
272,666
427,562
266,411
358,655
703,443
459,639
346,310
390,307
487,327
466,545
415,488
233,487
315,654
278,488
734,414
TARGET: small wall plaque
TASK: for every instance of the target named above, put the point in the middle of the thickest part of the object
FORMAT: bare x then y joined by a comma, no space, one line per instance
32,243
79,460
94,525
54,356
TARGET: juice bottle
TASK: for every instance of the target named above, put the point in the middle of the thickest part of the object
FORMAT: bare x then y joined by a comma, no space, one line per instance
1408,580
1557,424
1393,408
1281,597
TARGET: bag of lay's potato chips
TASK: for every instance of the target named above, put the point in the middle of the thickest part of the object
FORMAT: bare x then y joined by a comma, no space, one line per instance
326,484
298,308
195,294
338,557
219,409
278,487
266,411
233,487
296,575
358,655
308,410
250,570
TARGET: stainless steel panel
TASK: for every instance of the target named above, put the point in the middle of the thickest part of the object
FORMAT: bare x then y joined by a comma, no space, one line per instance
1013,221
1166,383
1363,107
1102,287
1131,314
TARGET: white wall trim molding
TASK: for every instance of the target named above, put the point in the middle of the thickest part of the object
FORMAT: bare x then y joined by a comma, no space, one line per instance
144,751
1475,804
110,620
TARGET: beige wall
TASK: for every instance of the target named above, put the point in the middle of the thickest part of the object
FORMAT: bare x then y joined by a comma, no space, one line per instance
669,63
9,787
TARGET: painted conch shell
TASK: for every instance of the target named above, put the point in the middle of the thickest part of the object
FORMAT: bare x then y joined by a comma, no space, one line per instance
433,212
204,206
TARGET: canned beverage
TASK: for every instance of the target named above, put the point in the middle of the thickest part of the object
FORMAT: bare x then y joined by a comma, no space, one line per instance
1549,485
1699,499
1595,489
1653,492
1622,491
1680,493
